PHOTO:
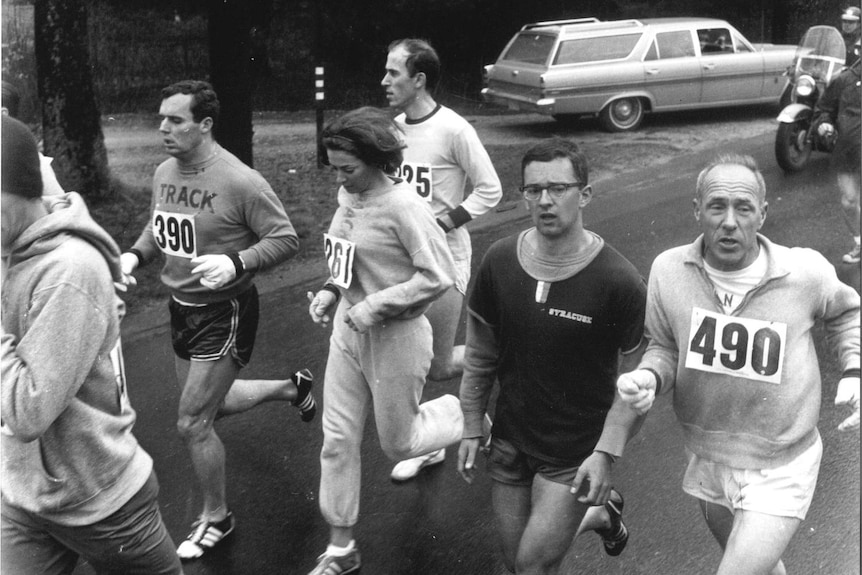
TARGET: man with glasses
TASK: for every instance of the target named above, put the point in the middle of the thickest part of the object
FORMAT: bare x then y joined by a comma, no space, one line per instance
553,313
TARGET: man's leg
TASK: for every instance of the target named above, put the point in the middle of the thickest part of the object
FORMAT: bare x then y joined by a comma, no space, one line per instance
848,185
131,541
511,505
247,393
752,542
553,523
28,549
444,314
205,384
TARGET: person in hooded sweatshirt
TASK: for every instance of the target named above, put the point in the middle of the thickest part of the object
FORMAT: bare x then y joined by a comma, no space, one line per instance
75,482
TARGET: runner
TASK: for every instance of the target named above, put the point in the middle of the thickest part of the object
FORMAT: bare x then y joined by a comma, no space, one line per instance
217,222
388,261
554,311
75,481
731,320
443,151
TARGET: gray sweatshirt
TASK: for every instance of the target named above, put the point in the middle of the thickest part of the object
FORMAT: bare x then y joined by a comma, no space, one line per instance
69,455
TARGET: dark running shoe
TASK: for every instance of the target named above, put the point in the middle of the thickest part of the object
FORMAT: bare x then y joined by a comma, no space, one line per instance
304,399
615,537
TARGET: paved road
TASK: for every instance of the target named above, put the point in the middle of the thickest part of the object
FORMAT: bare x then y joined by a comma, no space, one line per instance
439,525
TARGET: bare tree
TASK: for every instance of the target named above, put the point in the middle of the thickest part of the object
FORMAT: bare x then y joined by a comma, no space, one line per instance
71,126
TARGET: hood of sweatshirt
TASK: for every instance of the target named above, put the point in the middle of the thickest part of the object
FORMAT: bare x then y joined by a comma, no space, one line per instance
67,214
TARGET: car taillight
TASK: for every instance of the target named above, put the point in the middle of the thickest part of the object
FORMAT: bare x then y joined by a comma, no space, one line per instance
486,73
805,86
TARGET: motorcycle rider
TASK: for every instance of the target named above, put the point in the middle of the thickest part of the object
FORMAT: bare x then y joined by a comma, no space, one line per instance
840,104
851,30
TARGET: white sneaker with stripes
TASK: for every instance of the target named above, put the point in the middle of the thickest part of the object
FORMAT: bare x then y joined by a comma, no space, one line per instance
204,536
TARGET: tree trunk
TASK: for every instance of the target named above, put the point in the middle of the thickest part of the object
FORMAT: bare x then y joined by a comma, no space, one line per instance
230,23
71,126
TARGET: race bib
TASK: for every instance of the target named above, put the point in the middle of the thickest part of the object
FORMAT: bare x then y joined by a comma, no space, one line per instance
418,175
120,376
339,256
175,233
742,347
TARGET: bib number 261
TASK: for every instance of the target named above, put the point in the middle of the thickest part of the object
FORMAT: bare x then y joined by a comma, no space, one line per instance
742,347
339,256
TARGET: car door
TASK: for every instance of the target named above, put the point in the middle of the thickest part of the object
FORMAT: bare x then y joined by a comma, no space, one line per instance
672,73
732,71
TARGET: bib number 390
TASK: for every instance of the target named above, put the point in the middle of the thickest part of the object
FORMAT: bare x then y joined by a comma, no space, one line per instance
175,233
737,346
339,256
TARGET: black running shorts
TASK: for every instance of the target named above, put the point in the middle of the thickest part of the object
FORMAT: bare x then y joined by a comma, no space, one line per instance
209,332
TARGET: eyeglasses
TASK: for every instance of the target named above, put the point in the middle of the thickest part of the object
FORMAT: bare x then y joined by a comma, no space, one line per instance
555,190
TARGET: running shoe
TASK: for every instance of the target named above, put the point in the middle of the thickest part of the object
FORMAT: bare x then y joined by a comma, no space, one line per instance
204,536
853,257
615,537
304,399
410,468
332,565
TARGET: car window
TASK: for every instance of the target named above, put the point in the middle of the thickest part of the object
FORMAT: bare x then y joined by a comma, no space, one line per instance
652,53
741,43
674,44
597,49
530,48
714,41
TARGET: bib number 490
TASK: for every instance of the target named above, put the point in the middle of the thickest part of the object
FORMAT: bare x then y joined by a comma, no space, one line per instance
741,347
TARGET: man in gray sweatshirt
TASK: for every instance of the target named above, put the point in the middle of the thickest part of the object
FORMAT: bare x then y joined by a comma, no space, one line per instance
75,481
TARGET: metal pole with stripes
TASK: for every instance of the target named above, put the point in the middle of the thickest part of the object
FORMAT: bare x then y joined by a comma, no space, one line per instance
319,105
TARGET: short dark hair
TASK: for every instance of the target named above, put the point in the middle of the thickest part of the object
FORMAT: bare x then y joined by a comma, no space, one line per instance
732,159
421,57
368,133
205,102
20,172
11,98
554,148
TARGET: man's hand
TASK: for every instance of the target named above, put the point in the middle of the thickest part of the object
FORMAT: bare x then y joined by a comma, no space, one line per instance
128,264
848,394
216,270
467,458
825,129
596,469
318,306
637,389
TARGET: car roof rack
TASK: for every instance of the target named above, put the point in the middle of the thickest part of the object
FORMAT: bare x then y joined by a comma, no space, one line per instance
560,23
608,25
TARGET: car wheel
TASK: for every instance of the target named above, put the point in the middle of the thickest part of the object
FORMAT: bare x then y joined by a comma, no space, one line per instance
622,115
792,148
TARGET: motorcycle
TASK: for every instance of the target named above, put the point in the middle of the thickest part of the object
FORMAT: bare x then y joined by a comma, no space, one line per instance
819,58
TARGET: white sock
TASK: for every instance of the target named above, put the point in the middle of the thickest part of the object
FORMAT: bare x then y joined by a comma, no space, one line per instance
857,239
335,551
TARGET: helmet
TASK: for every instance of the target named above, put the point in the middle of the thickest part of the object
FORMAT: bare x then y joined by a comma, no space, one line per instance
851,14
